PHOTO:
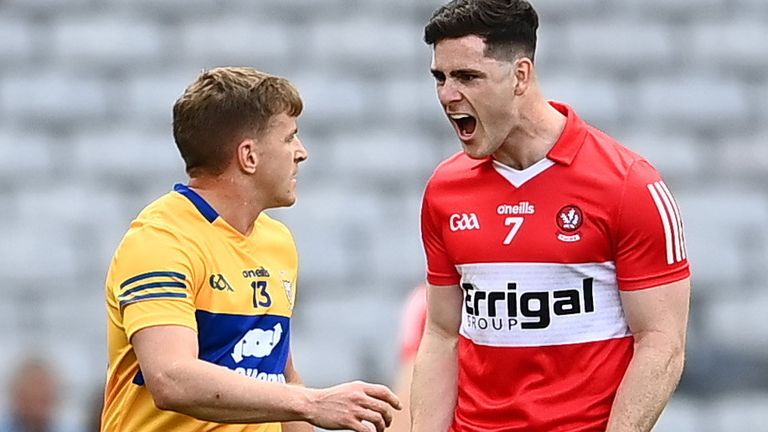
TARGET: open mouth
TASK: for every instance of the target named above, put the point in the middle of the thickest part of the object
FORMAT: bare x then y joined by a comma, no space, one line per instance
465,125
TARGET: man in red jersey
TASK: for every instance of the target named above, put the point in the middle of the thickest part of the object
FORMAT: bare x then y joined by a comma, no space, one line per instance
558,280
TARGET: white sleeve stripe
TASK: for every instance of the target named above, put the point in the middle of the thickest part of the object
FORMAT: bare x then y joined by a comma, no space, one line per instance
681,237
664,221
673,217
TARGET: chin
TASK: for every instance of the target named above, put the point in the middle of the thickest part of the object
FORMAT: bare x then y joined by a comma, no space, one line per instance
289,200
479,147
474,152
284,201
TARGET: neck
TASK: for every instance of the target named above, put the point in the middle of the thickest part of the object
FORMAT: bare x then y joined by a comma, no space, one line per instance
230,199
538,127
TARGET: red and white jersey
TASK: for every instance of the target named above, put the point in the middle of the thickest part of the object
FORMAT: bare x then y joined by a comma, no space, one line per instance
541,255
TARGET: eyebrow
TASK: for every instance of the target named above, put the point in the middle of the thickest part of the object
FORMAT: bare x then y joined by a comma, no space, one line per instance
459,72
455,73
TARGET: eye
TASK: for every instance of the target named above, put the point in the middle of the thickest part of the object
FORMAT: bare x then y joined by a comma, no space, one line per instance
439,77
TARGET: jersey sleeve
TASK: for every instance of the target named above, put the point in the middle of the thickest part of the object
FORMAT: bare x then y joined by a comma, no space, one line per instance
413,322
440,268
151,280
650,242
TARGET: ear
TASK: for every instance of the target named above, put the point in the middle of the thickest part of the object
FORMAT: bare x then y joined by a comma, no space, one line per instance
247,155
523,70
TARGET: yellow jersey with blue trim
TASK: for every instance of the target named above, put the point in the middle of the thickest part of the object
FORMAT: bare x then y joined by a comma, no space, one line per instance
182,264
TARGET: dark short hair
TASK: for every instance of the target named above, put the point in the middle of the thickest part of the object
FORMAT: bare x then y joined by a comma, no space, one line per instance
508,27
223,106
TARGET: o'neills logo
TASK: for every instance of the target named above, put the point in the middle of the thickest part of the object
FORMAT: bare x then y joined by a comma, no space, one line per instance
569,219
521,208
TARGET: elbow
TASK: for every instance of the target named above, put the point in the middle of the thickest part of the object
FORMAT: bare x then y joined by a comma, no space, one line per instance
166,392
678,362
445,336
668,350
167,401
677,358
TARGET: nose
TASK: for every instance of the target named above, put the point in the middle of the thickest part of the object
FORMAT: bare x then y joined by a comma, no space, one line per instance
301,152
448,93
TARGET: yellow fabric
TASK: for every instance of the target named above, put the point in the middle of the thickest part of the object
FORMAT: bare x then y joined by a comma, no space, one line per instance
175,267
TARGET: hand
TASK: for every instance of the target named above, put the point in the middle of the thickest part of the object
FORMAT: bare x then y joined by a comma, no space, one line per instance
358,406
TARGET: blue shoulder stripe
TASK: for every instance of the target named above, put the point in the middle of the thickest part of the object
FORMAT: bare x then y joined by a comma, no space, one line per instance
153,285
151,275
125,303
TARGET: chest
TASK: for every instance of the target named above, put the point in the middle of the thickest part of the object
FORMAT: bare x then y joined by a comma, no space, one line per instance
545,221
247,279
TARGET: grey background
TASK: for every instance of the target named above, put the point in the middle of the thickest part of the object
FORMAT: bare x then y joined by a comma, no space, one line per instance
86,88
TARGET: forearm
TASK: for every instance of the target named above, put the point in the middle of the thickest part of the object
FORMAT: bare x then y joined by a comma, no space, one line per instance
210,392
650,380
434,389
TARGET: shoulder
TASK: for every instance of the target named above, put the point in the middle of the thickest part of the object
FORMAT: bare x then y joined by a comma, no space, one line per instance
613,159
163,224
270,223
457,163
171,213
171,209
453,170
266,224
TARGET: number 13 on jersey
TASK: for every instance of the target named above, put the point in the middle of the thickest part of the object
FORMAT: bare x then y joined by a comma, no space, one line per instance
260,294
515,223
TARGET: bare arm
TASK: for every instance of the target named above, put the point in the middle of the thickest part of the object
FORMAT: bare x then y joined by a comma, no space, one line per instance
292,377
435,376
179,381
657,318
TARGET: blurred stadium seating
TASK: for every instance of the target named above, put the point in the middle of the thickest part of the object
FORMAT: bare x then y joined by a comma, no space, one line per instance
86,88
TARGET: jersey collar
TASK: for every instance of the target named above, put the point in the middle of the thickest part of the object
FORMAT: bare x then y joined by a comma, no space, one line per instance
572,137
205,209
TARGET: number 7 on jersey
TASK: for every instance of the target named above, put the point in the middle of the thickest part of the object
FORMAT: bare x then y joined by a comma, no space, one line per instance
516,222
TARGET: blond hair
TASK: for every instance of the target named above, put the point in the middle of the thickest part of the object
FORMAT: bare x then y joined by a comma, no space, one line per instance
223,106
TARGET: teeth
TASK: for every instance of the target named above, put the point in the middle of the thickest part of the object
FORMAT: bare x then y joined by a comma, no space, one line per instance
459,116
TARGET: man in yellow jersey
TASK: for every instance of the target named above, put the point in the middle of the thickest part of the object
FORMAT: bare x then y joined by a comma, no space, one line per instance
201,289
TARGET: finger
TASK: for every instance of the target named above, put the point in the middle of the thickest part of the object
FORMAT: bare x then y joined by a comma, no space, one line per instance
374,419
380,407
383,393
363,426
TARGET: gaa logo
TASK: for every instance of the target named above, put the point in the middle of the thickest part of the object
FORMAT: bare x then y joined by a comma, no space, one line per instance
463,222
218,282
